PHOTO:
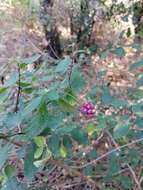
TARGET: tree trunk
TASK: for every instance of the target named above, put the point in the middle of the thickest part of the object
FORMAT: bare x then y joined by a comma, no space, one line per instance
51,32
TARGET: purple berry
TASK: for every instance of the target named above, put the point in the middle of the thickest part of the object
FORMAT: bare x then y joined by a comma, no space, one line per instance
83,110
89,111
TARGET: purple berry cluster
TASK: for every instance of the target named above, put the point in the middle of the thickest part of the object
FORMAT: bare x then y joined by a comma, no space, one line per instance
88,109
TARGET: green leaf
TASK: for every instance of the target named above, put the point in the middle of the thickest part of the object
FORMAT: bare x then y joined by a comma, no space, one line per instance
63,130
2,90
31,59
9,171
136,65
29,168
32,105
119,103
106,96
12,120
65,105
63,151
101,122
70,96
13,79
24,84
67,143
63,65
120,52
121,130
13,184
80,136
139,122
53,95
77,81
40,141
125,181
90,129
54,144
38,153
113,164
39,122
137,108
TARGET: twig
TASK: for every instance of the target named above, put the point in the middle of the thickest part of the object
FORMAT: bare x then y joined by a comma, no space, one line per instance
134,177
17,143
55,54
113,175
108,153
71,185
112,139
6,137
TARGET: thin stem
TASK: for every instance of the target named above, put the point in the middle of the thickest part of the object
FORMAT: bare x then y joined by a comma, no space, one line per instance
107,154
134,177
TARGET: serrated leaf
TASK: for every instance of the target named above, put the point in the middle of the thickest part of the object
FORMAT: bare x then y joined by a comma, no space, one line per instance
54,144
40,121
101,122
65,129
32,105
29,168
80,136
113,164
70,96
77,81
121,130
125,181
